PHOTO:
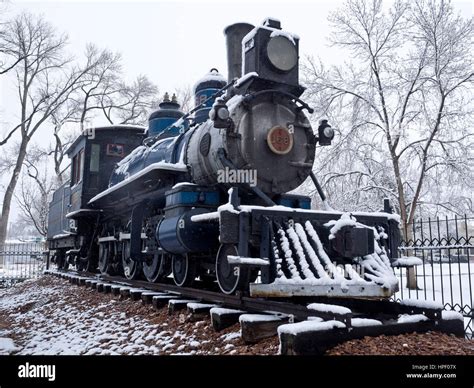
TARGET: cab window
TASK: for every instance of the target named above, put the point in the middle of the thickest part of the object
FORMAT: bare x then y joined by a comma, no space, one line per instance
77,167
95,158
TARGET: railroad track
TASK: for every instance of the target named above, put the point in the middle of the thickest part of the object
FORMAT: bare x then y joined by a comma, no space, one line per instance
304,326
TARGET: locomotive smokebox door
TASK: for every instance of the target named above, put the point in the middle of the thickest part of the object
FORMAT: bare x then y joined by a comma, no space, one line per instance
280,140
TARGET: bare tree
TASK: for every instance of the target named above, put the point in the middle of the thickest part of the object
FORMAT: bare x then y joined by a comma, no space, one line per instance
62,139
81,105
102,91
185,97
405,100
34,197
20,229
105,92
130,104
9,57
45,79
99,83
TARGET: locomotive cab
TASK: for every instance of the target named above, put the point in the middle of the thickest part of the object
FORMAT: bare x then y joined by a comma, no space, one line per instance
93,156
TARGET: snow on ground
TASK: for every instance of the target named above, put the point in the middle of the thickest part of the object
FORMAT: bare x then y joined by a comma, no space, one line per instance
14,270
49,316
230,336
443,283
7,346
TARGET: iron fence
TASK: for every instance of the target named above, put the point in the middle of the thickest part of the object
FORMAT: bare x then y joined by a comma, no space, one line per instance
21,261
445,248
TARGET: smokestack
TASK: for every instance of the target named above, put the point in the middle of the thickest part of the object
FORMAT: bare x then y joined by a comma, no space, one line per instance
234,34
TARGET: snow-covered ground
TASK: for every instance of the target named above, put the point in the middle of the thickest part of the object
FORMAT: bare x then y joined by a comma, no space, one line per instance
48,316
22,270
444,283
21,260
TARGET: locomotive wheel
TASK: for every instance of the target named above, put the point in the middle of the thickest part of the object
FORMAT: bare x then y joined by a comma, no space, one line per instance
184,270
105,260
81,264
65,264
156,267
61,260
131,268
230,277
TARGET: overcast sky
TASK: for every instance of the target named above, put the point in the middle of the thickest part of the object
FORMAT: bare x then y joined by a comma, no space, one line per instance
175,42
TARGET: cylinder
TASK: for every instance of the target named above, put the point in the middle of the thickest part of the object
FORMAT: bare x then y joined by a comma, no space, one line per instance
179,235
234,34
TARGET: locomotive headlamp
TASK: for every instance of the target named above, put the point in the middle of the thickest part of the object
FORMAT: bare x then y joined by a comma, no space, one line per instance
223,113
282,53
220,114
325,133
274,55
329,132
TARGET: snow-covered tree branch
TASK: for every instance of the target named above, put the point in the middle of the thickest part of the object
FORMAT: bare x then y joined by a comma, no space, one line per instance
403,107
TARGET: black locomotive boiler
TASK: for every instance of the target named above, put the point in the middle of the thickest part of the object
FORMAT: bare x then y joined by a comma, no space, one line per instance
204,195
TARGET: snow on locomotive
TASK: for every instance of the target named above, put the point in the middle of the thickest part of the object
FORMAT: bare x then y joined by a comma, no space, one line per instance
203,196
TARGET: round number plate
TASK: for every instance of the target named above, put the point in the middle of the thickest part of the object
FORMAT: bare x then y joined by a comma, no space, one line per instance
280,140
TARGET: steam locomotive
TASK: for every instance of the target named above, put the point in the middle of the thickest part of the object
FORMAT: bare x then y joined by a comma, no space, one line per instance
204,196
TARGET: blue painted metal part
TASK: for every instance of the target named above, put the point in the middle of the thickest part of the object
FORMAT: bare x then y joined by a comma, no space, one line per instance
192,195
176,233
166,150
179,235
166,115
294,201
205,88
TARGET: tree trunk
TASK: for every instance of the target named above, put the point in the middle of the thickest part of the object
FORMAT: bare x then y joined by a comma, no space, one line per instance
412,283
7,199
59,176
407,235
